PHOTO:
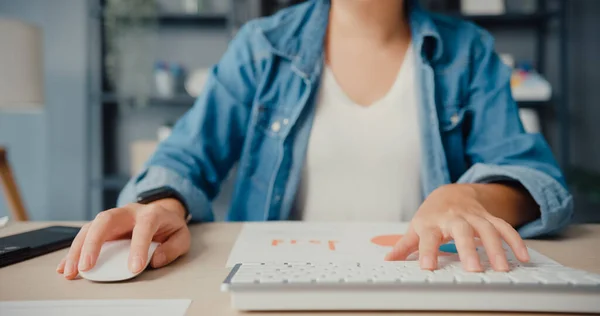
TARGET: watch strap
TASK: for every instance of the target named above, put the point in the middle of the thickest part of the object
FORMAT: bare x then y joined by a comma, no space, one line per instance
161,193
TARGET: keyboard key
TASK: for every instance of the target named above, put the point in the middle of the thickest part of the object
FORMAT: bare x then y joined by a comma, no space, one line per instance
579,280
252,264
296,263
271,279
496,278
468,278
414,279
356,279
521,278
551,279
385,279
242,280
329,279
439,278
300,280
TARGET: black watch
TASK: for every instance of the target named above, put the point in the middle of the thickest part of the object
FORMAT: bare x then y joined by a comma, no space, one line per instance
153,195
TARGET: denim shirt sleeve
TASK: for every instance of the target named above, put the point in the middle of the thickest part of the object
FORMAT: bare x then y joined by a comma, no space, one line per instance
500,149
207,140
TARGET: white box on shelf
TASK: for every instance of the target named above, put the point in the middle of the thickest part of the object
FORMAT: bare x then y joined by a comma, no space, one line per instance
482,7
531,120
534,88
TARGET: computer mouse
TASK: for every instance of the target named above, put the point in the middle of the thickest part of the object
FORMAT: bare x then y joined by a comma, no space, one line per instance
112,264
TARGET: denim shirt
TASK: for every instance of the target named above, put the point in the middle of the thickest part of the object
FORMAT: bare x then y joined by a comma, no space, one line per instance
258,106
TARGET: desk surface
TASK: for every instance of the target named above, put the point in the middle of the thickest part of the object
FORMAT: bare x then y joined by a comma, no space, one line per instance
198,275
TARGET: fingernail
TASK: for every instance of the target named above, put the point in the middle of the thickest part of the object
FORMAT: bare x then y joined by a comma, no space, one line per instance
473,264
85,263
59,264
525,254
68,269
427,263
501,263
160,259
136,264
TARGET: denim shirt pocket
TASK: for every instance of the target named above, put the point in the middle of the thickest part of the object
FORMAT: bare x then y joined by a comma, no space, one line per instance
453,117
271,125
453,128
273,121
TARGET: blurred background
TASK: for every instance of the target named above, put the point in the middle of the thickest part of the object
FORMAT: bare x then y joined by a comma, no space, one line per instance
118,73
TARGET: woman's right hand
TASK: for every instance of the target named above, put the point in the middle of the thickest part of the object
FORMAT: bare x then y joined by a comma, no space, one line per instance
161,221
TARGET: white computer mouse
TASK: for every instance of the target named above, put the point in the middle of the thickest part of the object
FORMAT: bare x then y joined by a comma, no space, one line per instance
112,263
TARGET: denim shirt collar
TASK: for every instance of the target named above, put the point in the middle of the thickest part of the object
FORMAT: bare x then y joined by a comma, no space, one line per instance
300,37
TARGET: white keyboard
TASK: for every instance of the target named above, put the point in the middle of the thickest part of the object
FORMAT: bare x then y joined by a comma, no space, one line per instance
404,286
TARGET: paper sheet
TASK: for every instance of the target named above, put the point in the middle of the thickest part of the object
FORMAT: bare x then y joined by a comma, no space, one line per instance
95,308
3,221
328,242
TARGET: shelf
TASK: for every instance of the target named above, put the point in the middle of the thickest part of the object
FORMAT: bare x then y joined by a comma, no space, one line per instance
586,181
215,20
207,20
178,100
508,19
534,104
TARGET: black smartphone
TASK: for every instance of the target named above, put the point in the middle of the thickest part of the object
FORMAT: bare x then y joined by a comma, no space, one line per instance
31,244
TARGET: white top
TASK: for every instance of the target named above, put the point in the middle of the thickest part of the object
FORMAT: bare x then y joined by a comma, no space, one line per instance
363,162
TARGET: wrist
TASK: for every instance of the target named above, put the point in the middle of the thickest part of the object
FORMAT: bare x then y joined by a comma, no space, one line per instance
167,198
459,190
172,205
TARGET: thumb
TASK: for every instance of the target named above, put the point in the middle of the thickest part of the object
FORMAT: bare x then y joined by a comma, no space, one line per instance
177,245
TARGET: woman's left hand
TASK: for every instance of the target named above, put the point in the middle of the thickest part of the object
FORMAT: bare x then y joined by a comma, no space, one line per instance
454,212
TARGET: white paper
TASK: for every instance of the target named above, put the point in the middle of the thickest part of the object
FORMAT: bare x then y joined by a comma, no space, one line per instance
3,221
329,242
311,242
96,307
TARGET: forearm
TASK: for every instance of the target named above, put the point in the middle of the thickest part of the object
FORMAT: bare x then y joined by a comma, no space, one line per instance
511,203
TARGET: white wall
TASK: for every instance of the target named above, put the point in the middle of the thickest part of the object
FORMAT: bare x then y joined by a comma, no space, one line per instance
48,150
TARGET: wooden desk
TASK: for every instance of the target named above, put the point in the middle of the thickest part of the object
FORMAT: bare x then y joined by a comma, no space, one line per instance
198,275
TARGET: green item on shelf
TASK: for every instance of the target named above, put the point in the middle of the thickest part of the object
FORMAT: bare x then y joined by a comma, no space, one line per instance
586,181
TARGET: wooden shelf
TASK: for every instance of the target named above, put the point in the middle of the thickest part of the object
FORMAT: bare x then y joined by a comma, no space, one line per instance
534,104
206,20
178,100
508,19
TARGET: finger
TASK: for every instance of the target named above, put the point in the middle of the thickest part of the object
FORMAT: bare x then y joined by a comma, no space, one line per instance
462,232
429,244
147,223
177,245
512,238
69,269
492,242
61,266
408,244
100,229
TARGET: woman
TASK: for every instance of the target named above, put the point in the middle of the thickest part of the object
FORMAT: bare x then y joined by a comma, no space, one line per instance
349,110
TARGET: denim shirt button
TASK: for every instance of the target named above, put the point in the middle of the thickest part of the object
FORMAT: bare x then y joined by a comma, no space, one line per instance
285,121
275,127
454,119
277,198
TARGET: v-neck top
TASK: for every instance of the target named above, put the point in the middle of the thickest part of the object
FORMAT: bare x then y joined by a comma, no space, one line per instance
363,162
